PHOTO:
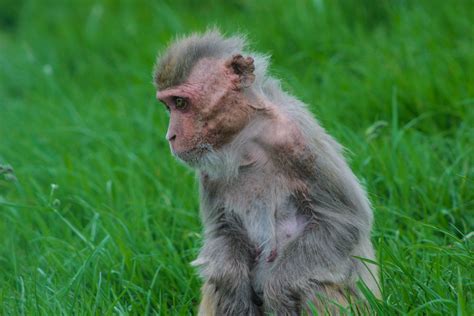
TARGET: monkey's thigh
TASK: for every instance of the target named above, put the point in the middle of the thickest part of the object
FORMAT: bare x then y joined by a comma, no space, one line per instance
207,307
333,299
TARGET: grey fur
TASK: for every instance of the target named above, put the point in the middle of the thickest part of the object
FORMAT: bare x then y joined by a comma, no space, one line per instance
248,210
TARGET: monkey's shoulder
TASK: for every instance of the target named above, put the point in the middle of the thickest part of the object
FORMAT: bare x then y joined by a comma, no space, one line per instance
289,152
282,134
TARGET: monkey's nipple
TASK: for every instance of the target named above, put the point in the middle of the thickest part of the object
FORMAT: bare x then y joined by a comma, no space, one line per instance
272,256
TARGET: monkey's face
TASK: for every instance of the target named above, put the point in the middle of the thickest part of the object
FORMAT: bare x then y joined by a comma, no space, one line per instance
206,111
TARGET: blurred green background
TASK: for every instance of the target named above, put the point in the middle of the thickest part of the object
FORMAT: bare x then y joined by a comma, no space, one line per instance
101,220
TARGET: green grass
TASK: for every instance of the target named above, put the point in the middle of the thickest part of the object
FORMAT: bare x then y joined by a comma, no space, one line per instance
392,80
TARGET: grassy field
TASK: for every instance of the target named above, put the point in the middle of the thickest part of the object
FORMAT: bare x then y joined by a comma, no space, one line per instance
99,219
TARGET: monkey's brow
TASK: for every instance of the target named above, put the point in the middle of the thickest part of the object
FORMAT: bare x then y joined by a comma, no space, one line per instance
182,91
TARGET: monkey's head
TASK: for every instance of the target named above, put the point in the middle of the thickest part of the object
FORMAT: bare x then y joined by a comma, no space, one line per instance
202,80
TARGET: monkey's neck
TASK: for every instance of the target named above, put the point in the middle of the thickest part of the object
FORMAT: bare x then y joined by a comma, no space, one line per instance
243,152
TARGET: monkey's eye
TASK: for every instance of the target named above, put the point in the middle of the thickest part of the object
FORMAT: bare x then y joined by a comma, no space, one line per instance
180,103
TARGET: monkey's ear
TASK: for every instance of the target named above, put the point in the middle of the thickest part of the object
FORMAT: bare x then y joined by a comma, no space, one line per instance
244,68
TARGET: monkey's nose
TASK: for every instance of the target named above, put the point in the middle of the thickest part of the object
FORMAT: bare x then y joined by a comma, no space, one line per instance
171,138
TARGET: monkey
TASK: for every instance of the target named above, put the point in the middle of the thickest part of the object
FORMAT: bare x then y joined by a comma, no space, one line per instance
286,222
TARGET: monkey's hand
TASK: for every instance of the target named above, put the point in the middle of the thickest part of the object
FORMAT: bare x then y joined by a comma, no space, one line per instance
234,296
225,267
281,297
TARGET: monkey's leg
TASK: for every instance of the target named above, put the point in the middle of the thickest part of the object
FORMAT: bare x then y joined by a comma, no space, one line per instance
314,298
208,300
331,299
216,302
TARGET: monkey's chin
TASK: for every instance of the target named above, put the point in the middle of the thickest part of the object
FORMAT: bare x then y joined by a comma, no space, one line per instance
194,157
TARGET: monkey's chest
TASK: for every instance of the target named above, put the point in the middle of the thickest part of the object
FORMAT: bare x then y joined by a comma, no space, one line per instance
262,203
268,216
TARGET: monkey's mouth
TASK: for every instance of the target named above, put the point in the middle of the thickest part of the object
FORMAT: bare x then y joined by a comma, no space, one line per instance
193,157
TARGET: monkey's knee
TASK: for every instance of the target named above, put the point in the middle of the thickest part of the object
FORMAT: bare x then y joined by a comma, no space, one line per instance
333,299
207,307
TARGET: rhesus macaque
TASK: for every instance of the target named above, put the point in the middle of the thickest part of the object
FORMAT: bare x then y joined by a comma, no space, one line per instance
285,219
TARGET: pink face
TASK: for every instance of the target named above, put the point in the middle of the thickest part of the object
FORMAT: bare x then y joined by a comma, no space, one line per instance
206,111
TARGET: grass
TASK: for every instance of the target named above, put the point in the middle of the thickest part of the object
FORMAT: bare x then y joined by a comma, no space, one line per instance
101,220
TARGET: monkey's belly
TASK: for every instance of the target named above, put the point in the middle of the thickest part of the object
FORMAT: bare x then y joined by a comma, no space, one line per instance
268,254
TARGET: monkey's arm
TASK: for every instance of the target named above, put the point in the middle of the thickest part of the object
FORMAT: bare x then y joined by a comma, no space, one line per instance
225,262
337,215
